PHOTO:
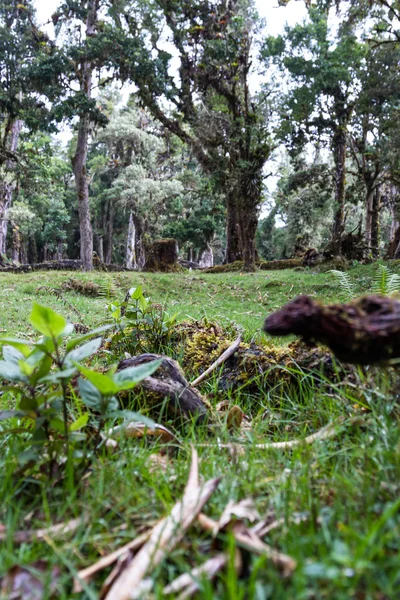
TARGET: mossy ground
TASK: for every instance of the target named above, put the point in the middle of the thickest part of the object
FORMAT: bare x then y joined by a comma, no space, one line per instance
346,488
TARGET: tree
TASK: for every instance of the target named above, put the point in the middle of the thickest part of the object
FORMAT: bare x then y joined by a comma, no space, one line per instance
19,104
373,132
214,110
88,52
324,78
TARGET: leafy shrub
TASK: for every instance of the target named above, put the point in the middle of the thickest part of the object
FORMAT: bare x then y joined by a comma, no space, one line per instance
60,416
142,326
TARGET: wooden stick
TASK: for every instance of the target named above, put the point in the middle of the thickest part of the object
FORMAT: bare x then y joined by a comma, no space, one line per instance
223,358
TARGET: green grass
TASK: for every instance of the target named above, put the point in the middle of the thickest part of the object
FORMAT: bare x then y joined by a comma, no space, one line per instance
346,488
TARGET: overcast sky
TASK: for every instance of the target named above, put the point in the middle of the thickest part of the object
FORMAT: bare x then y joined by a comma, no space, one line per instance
275,16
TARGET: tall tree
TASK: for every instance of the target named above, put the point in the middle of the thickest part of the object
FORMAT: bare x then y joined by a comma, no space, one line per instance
324,77
19,43
215,112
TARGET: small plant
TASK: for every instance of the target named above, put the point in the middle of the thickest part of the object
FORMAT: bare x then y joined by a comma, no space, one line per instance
386,282
142,326
52,406
344,282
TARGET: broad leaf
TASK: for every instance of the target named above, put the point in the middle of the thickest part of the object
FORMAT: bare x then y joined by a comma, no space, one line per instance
83,351
89,394
23,346
79,423
104,383
47,321
9,414
129,377
82,338
12,372
12,354
58,375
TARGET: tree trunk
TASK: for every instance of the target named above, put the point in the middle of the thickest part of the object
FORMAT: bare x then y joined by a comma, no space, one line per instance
139,242
109,232
369,211
6,187
233,235
339,147
100,248
80,158
248,237
375,225
130,244
206,259
16,244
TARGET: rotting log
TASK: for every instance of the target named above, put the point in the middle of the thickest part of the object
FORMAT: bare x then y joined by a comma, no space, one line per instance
169,382
365,331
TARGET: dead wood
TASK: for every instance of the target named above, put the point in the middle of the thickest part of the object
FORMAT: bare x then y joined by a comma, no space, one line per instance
365,331
169,382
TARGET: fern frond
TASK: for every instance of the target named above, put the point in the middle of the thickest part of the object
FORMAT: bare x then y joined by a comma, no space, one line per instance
344,282
382,276
393,284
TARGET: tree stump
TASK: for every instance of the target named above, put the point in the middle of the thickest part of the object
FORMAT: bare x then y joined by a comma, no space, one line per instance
162,255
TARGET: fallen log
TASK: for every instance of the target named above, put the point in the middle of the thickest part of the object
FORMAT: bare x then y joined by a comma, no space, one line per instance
169,382
365,331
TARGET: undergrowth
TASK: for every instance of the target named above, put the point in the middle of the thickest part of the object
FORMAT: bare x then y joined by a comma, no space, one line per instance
338,498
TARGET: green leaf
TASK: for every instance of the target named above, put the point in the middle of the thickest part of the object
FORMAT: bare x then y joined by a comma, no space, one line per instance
82,338
104,383
58,376
24,346
26,368
89,394
83,351
28,404
9,414
79,423
129,377
12,354
132,416
42,370
12,372
47,321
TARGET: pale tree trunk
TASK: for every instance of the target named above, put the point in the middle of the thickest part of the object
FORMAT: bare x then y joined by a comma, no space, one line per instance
7,188
80,157
16,244
130,244
109,227
207,257
100,248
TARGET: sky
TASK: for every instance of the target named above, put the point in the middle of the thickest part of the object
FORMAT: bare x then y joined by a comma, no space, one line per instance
275,16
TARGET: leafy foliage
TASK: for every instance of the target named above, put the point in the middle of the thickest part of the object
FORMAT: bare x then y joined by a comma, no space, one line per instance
58,422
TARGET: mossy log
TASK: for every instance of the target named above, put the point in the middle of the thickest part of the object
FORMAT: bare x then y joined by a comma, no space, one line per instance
169,382
252,366
365,331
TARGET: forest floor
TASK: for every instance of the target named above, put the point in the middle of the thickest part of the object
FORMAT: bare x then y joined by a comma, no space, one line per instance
335,503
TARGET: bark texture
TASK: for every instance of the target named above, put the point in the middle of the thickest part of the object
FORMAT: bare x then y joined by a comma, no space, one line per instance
7,187
365,331
80,158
